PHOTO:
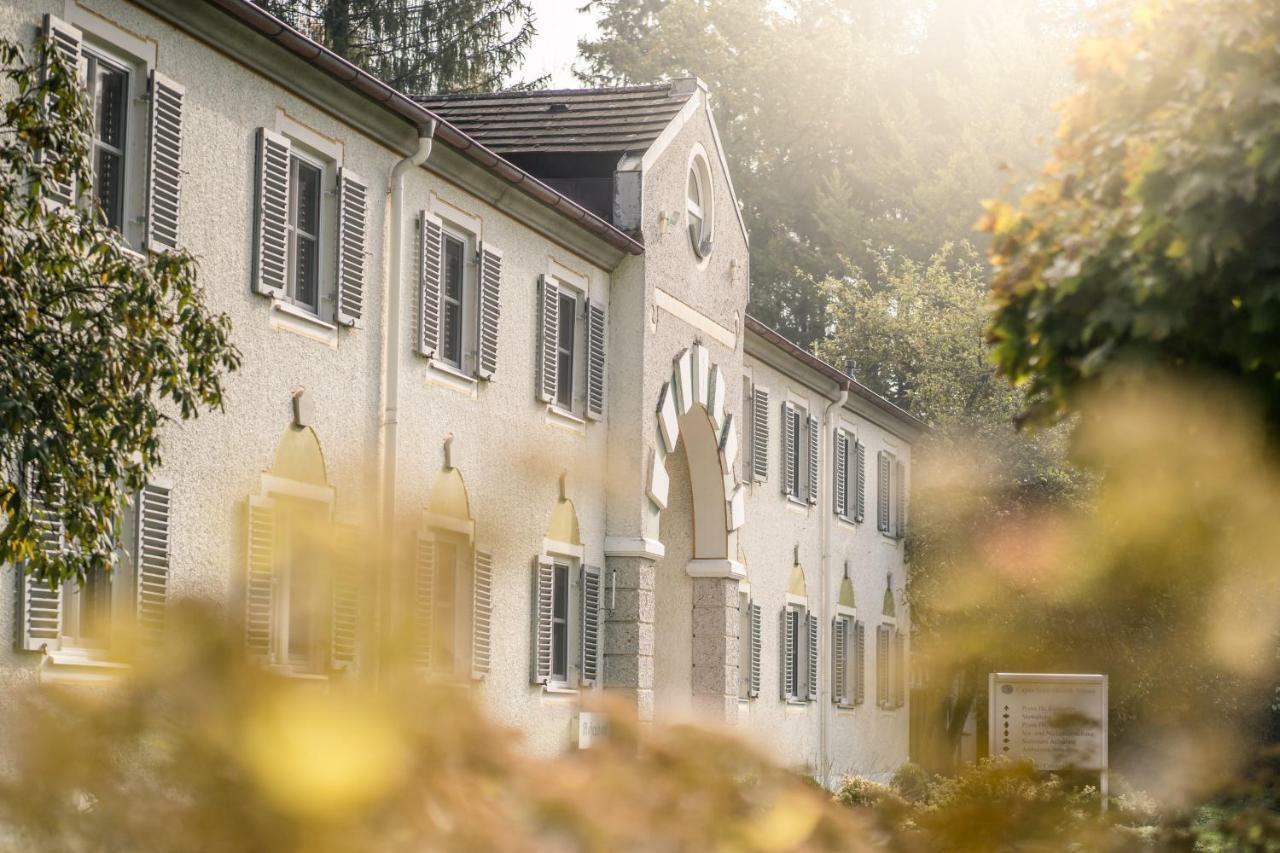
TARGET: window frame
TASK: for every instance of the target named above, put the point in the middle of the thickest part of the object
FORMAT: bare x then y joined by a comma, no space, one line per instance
96,48
572,559
744,643
577,407
467,362
698,174
798,488
325,236
799,651
282,658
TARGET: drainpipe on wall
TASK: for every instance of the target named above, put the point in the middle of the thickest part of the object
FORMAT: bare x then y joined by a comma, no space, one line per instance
828,431
391,350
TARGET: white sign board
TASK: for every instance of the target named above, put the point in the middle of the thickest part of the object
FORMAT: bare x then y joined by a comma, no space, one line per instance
591,728
1057,721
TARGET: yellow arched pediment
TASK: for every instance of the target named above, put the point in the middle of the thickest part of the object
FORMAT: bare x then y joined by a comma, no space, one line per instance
889,608
564,523
846,594
449,496
796,586
298,457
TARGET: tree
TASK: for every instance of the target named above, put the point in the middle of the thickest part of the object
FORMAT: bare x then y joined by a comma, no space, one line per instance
99,347
852,126
1151,236
420,47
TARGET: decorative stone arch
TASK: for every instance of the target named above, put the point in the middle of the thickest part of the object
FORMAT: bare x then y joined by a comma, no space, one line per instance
691,408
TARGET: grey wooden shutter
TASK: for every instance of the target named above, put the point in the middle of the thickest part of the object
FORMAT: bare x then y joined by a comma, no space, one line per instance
882,666
590,625
815,454
883,468
899,669
260,588
789,439
353,214
424,596
811,657
839,661
344,614
787,652
596,330
152,555
482,615
757,647
760,434
544,579
840,472
164,163
41,608
900,493
430,259
548,364
859,481
489,313
271,215
66,41
859,662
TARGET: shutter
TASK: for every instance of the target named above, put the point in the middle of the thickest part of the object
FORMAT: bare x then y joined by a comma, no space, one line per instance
164,163
811,657
789,439
271,215
353,214
899,668
859,662
482,615
757,647
548,336
430,259
900,493
152,556
786,651
859,481
544,579
840,472
882,492
882,666
760,434
66,41
259,611
41,610
590,626
595,361
345,615
489,303
424,589
839,662
815,453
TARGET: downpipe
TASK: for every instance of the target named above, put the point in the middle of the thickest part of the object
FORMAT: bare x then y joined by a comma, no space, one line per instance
824,698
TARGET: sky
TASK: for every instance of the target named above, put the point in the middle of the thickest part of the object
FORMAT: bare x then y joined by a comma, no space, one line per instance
560,25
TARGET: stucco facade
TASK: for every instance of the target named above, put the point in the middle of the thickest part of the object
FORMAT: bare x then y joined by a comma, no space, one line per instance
658,492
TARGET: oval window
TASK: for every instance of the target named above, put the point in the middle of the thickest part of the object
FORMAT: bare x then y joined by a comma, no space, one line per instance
698,206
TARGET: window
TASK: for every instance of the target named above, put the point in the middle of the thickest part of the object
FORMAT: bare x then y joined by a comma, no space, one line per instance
108,90
560,626
452,603
304,232
799,454
566,350
848,656
799,652
749,647
302,598
698,206
459,304
794,452
86,617
454,295
567,623
850,477
891,667
891,495
445,603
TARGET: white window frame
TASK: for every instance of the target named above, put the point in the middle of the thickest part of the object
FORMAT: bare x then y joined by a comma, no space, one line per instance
800,497
704,208
850,473
115,51
849,616
744,641
578,389
571,557
800,645
462,604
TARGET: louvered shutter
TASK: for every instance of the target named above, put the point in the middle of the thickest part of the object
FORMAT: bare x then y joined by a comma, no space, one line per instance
548,365
840,472
260,588
345,605
66,41
882,666
789,439
430,258
152,555
489,304
590,625
41,610
353,215
859,662
786,650
424,596
899,669
760,434
544,579
859,481
882,492
811,657
596,330
900,493
271,214
164,163
815,454
757,647
482,615
839,662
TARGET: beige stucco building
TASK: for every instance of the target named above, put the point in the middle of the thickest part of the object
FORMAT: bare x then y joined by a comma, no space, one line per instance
506,338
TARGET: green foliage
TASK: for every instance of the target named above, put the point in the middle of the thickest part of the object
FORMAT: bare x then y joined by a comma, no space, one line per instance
852,128
912,782
92,335
420,46
1150,237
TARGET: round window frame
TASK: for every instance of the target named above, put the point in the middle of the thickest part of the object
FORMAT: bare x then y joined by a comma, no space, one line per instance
700,170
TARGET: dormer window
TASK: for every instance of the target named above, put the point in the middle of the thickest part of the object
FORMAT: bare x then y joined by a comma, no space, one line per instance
698,205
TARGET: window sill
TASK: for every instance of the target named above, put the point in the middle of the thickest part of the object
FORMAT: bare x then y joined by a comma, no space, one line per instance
285,671
557,416
290,318
797,504
455,372
445,374
80,666
559,690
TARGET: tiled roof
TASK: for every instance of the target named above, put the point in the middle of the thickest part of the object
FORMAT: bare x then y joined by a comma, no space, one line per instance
622,119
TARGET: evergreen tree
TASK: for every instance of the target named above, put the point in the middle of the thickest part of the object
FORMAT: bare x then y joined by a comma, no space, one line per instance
423,46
